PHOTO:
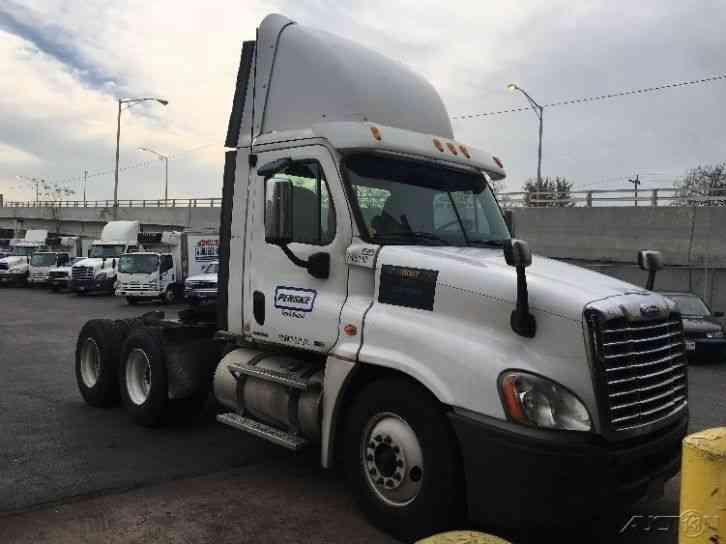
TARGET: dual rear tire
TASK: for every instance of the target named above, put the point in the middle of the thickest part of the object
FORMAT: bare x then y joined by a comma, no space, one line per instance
122,361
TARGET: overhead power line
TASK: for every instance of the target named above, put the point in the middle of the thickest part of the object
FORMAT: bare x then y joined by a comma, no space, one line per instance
595,98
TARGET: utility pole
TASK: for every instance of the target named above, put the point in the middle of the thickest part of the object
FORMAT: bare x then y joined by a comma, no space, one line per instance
636,182
85,179
539,112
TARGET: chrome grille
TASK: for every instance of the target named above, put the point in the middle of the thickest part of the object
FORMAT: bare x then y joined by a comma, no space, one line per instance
643,369
58,275
201,285
82,273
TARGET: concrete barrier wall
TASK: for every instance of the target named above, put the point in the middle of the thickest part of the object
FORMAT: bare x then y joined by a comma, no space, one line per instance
88,222
685,236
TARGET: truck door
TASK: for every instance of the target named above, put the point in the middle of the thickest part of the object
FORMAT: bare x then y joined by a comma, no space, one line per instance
283,302
166,271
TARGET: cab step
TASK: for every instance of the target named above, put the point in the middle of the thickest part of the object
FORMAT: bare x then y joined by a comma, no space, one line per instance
262,430
288,379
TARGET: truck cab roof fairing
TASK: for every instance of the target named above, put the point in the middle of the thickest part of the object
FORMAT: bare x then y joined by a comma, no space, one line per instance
308,76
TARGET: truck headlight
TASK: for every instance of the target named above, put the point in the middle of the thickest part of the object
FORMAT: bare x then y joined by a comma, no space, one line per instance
536,401
715,334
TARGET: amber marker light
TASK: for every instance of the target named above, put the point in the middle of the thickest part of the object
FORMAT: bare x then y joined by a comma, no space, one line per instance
376,134
511,399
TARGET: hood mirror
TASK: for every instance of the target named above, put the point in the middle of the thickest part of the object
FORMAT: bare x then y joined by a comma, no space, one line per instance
518,255
650,261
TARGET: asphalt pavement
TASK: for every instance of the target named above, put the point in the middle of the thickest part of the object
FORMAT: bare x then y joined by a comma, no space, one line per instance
72,473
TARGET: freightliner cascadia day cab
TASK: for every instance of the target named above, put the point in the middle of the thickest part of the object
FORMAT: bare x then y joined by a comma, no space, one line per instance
98,271
373,305
161,269
14,268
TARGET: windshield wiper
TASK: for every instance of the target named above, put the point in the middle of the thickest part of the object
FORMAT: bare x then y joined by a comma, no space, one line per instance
407,235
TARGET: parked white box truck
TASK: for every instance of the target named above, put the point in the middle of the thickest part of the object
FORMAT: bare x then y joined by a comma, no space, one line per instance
373,305
97,273
167,260
15,267
58,252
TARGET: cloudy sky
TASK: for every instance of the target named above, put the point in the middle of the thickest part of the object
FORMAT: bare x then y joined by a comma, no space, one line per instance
63,64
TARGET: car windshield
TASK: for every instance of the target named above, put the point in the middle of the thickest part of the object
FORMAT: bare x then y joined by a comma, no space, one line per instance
24,251
138,263
43,259
211,268
691,305
403,201
110,250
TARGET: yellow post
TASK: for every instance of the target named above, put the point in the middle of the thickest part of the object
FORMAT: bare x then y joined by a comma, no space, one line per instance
703,488
463,537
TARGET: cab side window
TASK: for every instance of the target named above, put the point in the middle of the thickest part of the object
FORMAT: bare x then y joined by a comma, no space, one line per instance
313,214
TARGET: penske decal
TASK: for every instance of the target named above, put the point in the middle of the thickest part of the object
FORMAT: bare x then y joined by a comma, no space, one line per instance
295,298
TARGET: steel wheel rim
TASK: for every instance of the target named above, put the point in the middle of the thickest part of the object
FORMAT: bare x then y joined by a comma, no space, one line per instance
138,376
392,459
90,362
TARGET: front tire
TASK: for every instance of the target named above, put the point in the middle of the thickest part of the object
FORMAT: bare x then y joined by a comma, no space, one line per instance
97,358
401,460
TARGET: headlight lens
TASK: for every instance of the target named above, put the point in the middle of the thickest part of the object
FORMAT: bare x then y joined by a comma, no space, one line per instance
532,400
715,334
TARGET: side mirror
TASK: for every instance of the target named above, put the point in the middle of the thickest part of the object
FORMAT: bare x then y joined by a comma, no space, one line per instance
651,261
518,255
113,264
278,211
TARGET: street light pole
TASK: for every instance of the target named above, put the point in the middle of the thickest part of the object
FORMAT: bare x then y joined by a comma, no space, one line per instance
36,182
539,112
165,160
128,102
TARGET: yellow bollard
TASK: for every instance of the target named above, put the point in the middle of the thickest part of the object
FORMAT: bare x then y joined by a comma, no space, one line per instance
463,537
703,488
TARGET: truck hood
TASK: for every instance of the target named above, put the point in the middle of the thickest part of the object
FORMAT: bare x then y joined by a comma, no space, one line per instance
554,287
96,263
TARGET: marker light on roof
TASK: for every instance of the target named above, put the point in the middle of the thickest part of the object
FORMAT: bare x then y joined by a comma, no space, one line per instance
452,148
376,133
438,144
464,151
496,160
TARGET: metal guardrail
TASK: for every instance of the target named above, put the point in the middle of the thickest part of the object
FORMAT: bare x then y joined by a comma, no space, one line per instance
660,196
214,202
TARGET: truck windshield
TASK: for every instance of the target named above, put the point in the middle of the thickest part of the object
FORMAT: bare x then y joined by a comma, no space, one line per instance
111,250
690,305
403,201
24,251
138,264
43,259
211,268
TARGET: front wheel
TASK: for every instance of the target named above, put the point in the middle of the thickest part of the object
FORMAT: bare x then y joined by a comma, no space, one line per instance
401,460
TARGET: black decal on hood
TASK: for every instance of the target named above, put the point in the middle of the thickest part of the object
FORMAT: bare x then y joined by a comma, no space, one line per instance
410,287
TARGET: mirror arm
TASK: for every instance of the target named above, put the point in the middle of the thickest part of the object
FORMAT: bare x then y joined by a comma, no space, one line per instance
297,261
651,280
521,320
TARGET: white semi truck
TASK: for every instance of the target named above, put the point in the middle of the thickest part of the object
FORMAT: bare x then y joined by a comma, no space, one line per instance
97,273
167,260
15,267
373,305
59,252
